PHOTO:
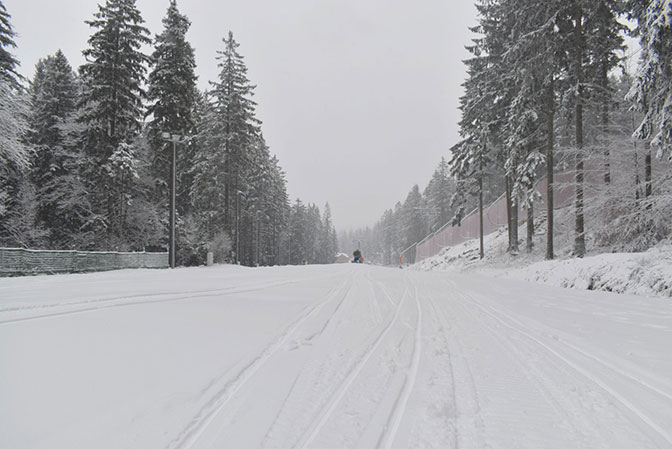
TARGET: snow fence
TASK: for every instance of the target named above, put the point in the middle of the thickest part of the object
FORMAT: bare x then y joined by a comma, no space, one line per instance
19,261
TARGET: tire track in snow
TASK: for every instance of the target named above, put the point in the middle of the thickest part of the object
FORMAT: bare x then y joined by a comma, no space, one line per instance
207,414
394,421
586,373
314,429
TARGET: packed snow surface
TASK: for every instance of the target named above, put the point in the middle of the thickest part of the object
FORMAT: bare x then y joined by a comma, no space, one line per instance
341,356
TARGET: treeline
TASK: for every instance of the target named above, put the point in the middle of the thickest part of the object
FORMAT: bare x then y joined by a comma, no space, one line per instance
86,156
548,90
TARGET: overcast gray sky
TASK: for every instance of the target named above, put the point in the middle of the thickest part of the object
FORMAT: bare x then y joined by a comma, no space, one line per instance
358,97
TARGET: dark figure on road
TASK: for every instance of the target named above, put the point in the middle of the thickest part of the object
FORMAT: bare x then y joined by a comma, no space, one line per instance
357,257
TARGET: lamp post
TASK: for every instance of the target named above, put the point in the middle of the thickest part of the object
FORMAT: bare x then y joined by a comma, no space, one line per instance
175,139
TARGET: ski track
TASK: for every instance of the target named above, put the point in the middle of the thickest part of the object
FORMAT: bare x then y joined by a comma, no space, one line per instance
207,414
540,382
595,379
583,352
469,426
314,429
394,421
133,300
448,349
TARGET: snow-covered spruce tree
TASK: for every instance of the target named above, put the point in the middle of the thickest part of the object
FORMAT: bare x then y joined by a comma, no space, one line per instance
652,90
112,103
534,57
414,221
8,62
259,214
438,195
588,50
604,43
53,96
17,209
172,96
297,243
532,64
230,131
277,210
328,244
485,96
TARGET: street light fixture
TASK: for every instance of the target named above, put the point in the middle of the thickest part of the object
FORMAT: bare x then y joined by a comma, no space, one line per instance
175,139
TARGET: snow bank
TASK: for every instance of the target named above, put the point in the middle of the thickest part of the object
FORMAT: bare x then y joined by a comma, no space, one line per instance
648,273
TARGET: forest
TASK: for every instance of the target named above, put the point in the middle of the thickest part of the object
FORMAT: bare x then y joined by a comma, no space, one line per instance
86,155
551,87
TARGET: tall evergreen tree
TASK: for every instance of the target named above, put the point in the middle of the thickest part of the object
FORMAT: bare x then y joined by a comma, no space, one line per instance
438,194
172,94
53,99
414,222
230,134
328,240
8,62
112,101
15,156
652,89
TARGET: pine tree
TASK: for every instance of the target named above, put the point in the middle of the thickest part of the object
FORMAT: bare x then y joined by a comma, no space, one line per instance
172,95
53,97
229,133
414,222
112,100
328,240
438,194
15,156
652,89
8,63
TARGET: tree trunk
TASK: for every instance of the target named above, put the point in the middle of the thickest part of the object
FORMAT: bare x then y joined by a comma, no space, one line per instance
648,185
512,216
508,211
514,227
604,79
580,239
480,212
530,228
549,171
647,172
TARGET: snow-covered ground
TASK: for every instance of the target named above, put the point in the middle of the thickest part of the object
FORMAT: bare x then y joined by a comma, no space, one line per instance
341,356
648,273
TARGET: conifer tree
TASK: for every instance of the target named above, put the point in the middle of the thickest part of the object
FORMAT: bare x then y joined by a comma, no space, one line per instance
16,195
230,133
652,89
328,240
172,94
112,100
8,62
53,100
438,194
414,222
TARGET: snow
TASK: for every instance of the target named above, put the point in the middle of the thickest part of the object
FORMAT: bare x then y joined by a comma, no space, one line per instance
648,273
333,356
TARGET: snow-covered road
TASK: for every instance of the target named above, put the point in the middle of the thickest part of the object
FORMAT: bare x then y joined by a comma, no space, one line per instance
345,356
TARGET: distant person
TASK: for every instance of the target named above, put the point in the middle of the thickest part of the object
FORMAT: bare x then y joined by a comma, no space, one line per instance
357,257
